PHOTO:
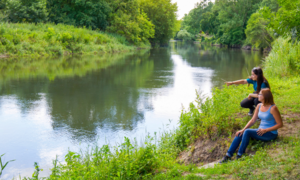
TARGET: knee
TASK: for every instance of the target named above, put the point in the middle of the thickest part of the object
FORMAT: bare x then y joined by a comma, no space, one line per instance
242,104
248,132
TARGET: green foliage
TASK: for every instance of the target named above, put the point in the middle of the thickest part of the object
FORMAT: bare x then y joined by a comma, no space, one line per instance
32,11
226,20
284,59
201,18
233,17
48,39
129,21
162,13
271,4
184,35
128,18
127,161
257,31
211,117
88,13
285,22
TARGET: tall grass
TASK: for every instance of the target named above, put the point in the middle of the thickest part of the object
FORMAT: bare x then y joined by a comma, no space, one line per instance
126,161
212,117
284,59
24,39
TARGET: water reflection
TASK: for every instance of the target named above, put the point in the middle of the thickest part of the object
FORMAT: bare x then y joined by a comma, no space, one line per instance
228,64
48,106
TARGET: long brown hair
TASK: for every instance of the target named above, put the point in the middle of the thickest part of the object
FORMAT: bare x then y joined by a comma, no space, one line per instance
268,97
260,78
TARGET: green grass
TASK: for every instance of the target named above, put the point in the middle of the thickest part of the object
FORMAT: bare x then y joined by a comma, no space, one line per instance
24,39
278,160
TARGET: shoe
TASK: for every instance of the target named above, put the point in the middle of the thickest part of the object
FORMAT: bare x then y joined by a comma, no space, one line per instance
250,113
224,160
238,157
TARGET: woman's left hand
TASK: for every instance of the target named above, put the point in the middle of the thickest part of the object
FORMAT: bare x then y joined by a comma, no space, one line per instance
261,132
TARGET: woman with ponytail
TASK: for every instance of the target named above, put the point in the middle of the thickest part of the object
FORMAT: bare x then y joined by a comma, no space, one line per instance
259,82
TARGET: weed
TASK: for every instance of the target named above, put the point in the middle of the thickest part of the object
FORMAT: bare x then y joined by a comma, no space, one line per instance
3,165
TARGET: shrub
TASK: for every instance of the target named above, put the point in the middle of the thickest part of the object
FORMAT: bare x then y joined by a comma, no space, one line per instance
211,117
284,59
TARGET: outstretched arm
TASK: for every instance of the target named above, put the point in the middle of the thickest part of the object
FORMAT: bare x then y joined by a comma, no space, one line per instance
242,81
250,123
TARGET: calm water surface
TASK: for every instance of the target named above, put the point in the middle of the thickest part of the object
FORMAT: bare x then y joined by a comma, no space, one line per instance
48,107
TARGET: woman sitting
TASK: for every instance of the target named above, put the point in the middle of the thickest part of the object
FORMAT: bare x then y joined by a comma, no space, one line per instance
267,131
259,82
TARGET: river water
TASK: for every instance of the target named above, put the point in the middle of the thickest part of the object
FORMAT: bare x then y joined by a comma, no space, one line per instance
50,106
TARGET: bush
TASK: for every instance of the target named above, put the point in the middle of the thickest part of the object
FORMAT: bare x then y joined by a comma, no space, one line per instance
50,39
184,35
284,59
211,117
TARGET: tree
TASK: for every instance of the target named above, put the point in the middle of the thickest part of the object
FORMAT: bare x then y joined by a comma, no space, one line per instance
162,13
285,22
184,35
199,18
33,11
88,13
3,4
129,20
233,17
257,31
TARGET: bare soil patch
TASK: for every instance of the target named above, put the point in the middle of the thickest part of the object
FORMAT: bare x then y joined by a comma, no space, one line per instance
3,56
204,151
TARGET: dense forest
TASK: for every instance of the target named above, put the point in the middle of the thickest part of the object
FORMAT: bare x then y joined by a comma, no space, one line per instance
242,22
140,21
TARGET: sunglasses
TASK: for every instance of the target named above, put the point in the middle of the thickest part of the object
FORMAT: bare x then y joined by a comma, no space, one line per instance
259,94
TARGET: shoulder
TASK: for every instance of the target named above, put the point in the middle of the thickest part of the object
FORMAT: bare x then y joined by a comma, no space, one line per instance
250,81
274,109
258,105
265,84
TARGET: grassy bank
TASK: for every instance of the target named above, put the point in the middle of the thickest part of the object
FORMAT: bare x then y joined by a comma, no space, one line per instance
24,39
220,117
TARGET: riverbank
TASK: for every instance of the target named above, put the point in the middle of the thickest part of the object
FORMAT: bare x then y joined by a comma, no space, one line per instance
157,157
24,39
264,160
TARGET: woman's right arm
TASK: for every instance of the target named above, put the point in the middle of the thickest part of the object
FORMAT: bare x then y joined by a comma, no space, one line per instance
250,123
242,81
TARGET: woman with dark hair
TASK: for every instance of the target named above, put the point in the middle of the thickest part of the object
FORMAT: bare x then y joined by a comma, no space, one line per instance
259,82
267,130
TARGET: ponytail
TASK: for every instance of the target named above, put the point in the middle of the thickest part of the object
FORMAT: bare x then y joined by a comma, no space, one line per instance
260,78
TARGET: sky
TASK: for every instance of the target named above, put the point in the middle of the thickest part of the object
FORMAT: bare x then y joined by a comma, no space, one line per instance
184,6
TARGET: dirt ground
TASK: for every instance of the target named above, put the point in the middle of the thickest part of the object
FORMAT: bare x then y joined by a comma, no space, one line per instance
204,151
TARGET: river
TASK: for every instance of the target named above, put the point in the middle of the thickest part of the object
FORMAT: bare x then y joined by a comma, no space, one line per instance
50,106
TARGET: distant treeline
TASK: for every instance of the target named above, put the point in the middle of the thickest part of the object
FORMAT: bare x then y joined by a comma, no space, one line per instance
242,22
140,21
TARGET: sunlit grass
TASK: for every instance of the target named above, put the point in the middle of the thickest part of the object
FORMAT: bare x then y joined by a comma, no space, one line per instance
24,39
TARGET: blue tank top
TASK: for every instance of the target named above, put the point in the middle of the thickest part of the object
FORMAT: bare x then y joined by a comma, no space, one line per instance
267,120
